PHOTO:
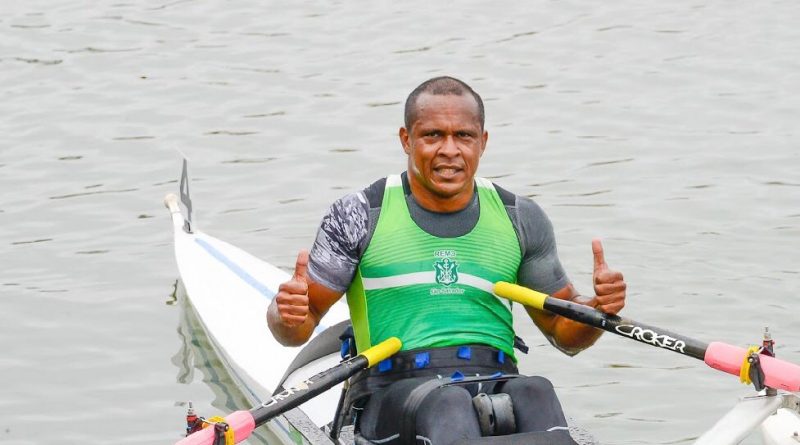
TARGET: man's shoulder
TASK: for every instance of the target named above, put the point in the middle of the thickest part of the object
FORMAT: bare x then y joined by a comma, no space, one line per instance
370,197
373,193
527,217
513,200
508,198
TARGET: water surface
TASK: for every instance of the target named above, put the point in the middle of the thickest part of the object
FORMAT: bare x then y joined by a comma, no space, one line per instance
669,130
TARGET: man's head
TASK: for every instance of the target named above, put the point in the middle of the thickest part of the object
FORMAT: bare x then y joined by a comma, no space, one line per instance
441,86
444,140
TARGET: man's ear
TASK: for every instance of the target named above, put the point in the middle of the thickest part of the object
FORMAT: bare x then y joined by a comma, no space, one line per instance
485,138
403,133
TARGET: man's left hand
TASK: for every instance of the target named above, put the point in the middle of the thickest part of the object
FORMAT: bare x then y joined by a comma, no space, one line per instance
609,286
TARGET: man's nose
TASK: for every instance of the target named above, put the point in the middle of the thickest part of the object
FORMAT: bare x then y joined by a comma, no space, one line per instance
449,147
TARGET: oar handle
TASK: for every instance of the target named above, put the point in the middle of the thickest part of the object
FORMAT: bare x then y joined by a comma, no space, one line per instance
522,295
244,422
382,351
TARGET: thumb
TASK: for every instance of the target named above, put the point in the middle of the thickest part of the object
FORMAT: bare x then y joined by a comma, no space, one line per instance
301,266
599,256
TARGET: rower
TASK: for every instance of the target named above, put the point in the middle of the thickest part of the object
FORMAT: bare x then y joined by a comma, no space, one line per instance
417,254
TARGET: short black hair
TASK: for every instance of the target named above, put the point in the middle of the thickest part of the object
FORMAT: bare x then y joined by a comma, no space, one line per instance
440,86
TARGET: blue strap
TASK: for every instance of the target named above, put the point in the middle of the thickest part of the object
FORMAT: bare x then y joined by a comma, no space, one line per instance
496,375
422,360
464,352
501,357
385,365
345,351
457,376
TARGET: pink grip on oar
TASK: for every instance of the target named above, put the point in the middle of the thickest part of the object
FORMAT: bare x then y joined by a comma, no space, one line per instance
777,373
241,422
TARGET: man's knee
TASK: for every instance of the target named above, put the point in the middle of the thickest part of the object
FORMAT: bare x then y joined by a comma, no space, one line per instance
533,386
447,416
536,406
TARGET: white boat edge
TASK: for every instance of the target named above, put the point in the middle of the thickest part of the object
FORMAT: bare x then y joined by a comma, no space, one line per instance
226,322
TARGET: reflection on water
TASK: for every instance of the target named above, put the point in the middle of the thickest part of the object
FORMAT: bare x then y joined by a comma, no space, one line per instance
197,353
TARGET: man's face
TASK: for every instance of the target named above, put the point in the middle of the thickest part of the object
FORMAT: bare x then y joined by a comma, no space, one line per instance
444,145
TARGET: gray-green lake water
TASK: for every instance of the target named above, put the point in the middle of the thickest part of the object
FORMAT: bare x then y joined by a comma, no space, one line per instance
669,129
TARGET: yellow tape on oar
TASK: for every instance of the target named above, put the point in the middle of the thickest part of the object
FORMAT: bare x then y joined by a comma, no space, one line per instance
520,294
229,438
744,372
382,350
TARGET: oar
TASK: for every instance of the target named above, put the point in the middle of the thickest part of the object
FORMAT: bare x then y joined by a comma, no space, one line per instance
244,422
724,357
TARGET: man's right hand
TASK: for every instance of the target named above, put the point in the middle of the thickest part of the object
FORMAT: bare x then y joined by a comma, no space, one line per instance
299,305
292,297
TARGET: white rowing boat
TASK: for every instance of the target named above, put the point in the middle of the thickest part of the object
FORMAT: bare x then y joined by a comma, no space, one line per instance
230,291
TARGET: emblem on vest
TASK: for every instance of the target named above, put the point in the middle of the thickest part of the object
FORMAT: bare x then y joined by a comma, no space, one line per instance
446,268
446,271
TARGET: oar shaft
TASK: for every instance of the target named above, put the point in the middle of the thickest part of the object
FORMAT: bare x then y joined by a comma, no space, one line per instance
726,358
626,327
777,373
640,332
243,422
298,394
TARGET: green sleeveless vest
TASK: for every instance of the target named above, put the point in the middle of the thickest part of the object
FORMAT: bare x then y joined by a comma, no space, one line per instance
430,291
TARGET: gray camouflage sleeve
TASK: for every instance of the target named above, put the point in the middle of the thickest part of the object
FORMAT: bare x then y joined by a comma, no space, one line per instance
540,269
337,249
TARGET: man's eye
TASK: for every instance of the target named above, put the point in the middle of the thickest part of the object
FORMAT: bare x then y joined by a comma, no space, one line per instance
432,134
464,134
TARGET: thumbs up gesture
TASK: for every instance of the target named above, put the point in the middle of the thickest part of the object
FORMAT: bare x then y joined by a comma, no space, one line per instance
292,297
609,285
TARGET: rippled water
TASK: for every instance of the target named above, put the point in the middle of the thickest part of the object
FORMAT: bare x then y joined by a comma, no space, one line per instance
668,129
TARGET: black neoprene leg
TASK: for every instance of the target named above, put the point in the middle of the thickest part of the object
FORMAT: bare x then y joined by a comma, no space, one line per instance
381,418
536,407
447,416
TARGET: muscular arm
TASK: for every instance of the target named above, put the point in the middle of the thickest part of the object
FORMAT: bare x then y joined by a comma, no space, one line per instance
541,270
320,278
569,336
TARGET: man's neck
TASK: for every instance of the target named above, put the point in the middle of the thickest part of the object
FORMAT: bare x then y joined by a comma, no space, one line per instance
439,224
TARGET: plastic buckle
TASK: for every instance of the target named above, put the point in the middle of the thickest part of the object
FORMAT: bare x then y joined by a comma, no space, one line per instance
756,374
422,360
501,357
220,429
385,365
464,353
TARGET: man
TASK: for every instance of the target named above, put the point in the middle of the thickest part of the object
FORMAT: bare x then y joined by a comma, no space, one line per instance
417,254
